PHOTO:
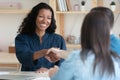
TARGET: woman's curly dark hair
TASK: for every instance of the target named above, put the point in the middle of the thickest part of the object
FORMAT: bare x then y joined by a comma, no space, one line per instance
28,25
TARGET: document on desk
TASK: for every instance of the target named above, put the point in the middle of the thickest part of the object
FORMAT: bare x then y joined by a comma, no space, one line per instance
40,78
3,73
23,76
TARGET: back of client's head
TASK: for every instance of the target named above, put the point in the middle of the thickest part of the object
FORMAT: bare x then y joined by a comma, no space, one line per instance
107,11
95,37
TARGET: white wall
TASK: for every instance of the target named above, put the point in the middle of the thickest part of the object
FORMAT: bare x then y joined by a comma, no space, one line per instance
8,29
9,23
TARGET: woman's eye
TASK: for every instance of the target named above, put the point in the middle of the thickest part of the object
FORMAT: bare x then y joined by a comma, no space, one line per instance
50,18
41,16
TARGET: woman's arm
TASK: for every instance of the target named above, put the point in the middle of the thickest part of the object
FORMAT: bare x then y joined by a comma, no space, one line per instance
39,54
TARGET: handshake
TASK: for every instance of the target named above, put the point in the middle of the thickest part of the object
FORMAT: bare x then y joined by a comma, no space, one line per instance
53,54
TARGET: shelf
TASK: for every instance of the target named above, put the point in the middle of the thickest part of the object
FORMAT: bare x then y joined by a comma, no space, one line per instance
14,11
73,46
78,12
71,12
117,12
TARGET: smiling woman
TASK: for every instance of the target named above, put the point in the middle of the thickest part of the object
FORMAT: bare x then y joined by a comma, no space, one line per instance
35,36
43,19
43,22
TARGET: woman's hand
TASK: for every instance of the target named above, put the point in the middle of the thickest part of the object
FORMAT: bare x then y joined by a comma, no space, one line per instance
42,70
53,70
52,55
50,71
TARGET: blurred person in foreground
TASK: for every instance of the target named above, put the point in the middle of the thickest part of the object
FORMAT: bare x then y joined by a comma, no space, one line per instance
114,41
95,60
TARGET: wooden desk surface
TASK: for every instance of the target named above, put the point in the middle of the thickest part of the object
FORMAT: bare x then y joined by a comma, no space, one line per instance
7,58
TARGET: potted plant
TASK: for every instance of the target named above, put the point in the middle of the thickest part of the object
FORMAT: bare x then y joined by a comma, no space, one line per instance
82,5
113,6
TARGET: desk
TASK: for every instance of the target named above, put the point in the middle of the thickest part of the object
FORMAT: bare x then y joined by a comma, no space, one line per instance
8,59
23,76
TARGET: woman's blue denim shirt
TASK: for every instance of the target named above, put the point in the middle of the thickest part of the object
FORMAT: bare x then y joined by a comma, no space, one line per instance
26,45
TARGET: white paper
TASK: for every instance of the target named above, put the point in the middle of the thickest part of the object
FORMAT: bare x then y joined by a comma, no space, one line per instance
4,73
42,78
